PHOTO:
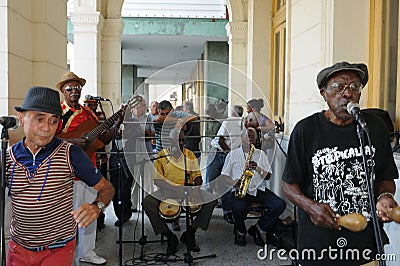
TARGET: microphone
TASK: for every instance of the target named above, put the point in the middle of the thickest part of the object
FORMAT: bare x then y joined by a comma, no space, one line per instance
10,122
354,109
96,98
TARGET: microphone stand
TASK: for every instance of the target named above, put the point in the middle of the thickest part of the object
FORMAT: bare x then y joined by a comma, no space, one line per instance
370,189
143,239
101,108
120,190
121,203
188,258
4,145
396,147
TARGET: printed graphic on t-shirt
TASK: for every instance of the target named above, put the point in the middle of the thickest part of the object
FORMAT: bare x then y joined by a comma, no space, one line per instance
339,179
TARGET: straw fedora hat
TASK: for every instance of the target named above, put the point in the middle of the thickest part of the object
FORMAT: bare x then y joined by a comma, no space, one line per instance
68,76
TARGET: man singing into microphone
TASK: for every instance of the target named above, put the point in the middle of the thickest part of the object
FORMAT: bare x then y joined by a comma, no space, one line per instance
324,174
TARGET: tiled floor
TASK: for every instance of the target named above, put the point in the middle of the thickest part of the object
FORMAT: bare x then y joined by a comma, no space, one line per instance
218,240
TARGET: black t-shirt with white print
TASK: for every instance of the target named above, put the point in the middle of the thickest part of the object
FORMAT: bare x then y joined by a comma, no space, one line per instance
325,160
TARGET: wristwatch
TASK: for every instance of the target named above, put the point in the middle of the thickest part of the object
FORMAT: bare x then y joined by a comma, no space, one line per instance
100,204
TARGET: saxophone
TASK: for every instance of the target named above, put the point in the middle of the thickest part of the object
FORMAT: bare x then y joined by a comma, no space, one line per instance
243,184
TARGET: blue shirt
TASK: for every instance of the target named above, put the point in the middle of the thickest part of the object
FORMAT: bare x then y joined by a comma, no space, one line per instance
82,165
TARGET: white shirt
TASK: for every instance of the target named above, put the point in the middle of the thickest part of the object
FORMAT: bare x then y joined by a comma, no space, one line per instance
230,130
234,166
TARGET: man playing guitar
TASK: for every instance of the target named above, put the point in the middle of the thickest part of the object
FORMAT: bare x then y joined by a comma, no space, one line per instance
77,118
75,115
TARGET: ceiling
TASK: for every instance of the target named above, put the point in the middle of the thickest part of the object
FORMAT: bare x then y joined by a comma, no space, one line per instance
152,53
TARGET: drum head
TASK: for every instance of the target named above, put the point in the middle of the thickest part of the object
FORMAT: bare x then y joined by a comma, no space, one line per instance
193,208
169,209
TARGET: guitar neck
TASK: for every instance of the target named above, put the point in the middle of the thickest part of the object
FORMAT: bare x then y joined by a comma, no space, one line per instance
106,124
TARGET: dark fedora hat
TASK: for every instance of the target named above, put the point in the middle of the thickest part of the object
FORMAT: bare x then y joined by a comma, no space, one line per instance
69,76
359,68
41,99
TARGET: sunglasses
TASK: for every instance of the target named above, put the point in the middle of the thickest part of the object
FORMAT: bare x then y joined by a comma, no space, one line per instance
70,88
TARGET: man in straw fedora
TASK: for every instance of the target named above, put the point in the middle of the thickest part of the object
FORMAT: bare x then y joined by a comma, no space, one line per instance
40,176
74,117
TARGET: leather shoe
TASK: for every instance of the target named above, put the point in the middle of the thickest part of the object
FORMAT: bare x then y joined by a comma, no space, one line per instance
188,238
253,231
228,217
173,242
240,240
175,225
117,222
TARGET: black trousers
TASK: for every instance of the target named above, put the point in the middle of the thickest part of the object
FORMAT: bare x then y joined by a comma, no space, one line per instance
122,180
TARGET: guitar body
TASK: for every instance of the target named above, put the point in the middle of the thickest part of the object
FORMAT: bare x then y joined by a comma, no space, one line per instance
91,130
83,131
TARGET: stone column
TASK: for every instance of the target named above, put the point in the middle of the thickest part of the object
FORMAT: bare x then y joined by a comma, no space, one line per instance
32,52
259,50
111,60
87,49
237,33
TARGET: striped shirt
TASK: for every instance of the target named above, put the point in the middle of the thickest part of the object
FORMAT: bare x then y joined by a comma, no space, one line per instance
162,130
41,190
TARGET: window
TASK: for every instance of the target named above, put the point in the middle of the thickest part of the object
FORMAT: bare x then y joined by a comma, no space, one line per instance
278,58
384,88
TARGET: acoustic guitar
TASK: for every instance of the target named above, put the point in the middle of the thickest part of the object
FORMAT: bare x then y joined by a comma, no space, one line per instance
91,130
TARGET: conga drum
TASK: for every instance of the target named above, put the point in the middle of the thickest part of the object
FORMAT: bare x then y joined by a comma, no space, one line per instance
169,209
193,208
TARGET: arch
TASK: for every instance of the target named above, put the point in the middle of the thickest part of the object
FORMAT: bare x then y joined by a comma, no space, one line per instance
114,8
235,9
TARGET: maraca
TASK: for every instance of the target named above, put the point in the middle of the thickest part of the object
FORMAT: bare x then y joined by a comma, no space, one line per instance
394,214
355,222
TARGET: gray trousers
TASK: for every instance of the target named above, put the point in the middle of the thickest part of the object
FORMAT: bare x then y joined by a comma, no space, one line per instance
151,207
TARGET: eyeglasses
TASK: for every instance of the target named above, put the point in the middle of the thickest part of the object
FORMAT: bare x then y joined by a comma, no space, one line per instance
70,88
339,88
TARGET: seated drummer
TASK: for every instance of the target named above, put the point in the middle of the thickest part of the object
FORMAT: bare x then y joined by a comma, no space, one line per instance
257,191
169,176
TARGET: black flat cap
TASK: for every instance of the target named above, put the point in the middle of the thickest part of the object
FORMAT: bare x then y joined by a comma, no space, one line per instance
360,69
